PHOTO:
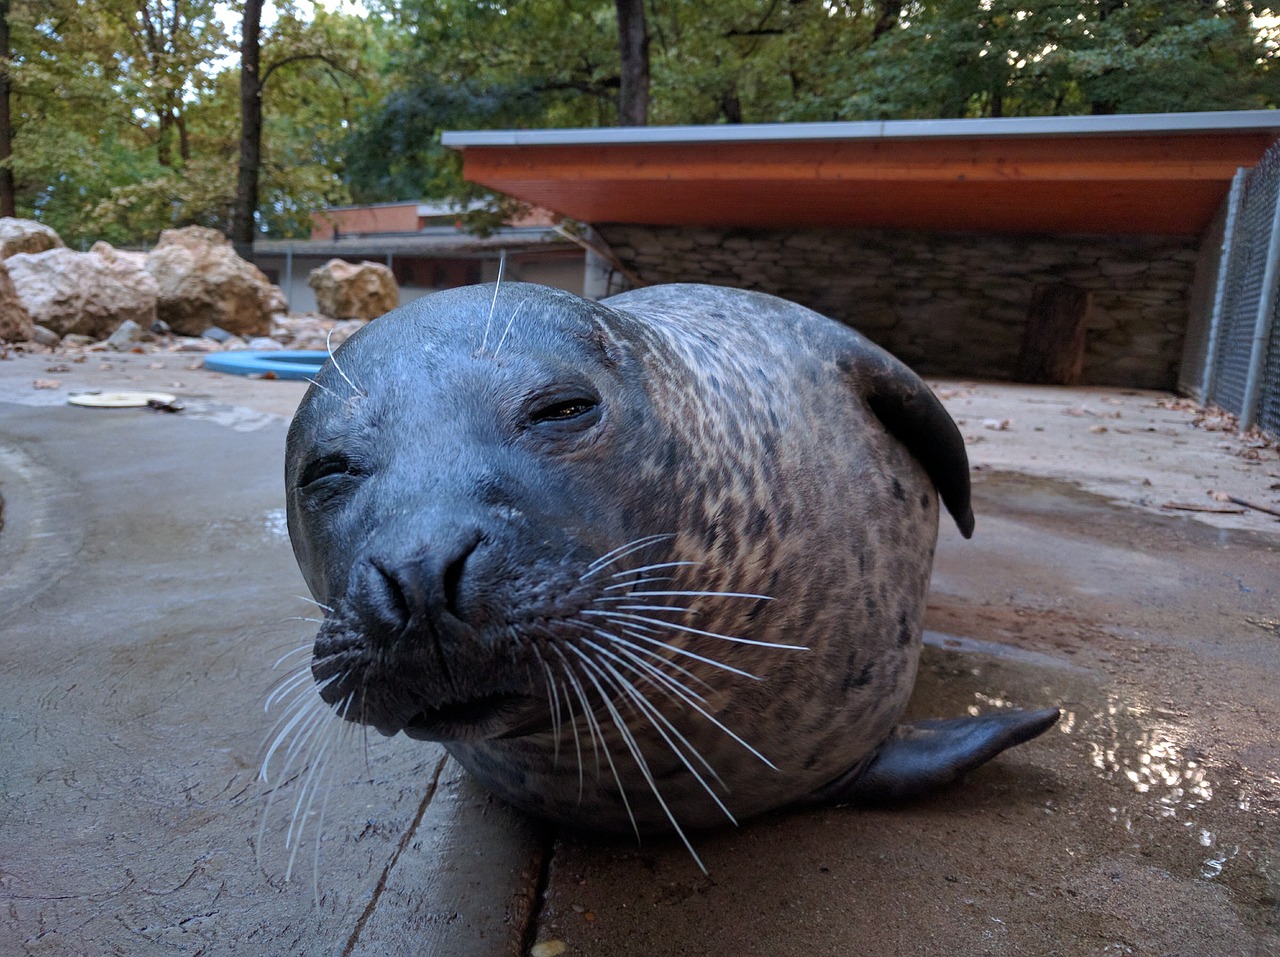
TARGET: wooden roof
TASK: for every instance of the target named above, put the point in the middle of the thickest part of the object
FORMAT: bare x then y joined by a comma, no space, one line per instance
1155,173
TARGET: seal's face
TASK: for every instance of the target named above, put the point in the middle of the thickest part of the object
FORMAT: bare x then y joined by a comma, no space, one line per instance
452,519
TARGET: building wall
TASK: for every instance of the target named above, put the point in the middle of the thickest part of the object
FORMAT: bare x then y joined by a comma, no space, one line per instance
947,304
365,220
418,276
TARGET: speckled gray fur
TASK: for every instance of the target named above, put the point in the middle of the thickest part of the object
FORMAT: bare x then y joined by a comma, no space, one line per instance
747,430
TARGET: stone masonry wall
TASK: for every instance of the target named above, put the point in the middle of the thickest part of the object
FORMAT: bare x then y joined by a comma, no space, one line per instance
947,304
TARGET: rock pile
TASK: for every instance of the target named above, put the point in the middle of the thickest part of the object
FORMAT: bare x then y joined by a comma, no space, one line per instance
203,283
354,290
191,281
83,293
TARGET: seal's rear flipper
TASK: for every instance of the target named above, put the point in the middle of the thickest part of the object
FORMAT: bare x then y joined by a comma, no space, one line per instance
926,754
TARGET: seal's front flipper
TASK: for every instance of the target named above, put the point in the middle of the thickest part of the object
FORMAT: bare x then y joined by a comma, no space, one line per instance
924,755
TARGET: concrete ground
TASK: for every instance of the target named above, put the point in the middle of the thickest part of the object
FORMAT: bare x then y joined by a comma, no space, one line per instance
149,587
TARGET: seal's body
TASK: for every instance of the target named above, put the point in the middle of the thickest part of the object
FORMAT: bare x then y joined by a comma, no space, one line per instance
649,563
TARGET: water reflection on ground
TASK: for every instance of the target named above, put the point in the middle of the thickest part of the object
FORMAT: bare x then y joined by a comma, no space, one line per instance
1136,779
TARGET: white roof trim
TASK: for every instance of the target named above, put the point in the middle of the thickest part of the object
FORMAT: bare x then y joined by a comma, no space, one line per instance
1233,121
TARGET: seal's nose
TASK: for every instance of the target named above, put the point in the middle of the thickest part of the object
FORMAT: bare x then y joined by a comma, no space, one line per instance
399,593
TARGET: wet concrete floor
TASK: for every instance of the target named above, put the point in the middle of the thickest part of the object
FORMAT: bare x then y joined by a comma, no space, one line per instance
149,586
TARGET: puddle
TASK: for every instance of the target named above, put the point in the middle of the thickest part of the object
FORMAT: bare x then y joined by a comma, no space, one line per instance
266,528
1014,494
1134,781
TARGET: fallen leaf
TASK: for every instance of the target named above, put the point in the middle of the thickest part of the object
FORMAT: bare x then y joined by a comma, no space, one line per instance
997,425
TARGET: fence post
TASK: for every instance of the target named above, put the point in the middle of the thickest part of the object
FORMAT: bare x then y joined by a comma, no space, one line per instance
1234,198
1262,326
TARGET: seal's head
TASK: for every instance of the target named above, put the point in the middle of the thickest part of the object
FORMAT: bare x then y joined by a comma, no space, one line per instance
683,536
450,488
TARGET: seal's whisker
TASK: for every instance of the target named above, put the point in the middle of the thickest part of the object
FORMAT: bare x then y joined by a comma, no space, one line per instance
312,601
647,606
305,706
696,702
498,347
502,265
295,713
315,621
315,714
637,755
323,388
640,649
317,774
289,654
328,345
653,568
577,743
588,717
286,683
676,649
693,631
638,581
654,715
697,594
286,686
555,709
622,551
627,739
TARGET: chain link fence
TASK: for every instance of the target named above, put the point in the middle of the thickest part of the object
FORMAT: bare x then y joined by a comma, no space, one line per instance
1232,352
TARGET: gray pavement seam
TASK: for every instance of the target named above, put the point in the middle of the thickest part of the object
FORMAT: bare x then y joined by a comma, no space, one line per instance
405,838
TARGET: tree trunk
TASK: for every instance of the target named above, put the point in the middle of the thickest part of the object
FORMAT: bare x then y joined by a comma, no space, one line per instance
8,203
1053,344
633,42
246,203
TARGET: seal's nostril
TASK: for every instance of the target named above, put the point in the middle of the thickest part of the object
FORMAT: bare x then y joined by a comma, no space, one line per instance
416,591
393,603
452,580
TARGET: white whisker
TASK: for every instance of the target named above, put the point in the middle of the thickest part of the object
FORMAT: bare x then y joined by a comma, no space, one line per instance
692,631
498,347
502,265
629,740
622,551
653,568
639,581
696,702
328,340
312,601
699,594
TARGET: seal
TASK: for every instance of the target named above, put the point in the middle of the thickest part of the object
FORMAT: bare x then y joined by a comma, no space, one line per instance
653,563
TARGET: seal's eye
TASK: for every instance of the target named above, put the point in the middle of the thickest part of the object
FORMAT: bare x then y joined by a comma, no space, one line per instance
317,472
563,411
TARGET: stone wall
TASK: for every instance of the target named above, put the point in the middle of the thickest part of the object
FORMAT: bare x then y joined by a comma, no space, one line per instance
947,304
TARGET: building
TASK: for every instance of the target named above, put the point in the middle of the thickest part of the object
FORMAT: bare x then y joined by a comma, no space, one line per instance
940,239
426,247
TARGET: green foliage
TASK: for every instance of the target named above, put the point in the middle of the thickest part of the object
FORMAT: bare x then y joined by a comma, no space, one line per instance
126,112
956,58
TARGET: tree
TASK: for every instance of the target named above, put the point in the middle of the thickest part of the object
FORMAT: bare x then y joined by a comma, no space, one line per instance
293,43
8,203
633,48
246,201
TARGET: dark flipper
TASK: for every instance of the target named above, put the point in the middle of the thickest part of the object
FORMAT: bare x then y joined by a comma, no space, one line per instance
913,415
924,755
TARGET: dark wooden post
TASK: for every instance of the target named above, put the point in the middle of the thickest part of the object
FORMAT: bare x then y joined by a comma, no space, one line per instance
1053,343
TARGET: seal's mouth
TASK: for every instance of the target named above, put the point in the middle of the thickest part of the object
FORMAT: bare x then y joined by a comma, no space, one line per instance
490,716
